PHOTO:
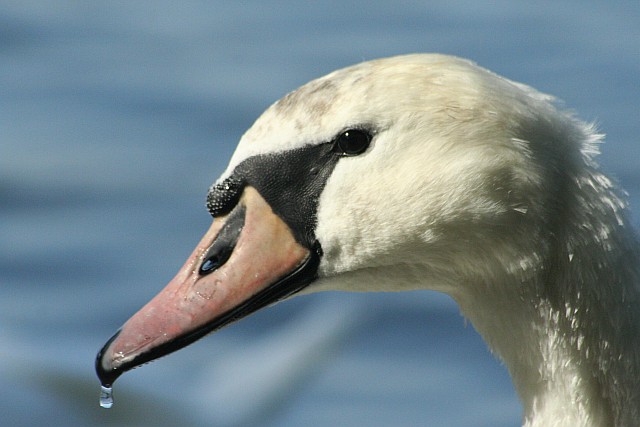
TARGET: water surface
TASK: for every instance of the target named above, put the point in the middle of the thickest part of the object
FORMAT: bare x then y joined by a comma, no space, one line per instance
115,118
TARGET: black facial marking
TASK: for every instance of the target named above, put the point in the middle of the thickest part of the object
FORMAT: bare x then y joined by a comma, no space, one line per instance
290,181
222,247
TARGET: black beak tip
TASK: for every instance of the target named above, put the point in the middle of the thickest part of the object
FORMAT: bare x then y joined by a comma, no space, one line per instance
107,376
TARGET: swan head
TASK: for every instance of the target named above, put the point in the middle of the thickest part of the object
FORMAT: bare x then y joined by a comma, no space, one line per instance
447,178
412,172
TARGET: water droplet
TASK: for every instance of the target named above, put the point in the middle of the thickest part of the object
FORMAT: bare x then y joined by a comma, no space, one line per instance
106,397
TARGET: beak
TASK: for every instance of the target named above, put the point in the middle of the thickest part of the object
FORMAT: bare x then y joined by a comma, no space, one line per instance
248,259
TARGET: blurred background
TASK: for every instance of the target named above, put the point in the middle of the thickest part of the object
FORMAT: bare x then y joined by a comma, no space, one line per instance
116,116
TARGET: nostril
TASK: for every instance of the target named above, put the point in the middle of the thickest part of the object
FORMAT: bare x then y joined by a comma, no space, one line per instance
222,247
214,258
209,264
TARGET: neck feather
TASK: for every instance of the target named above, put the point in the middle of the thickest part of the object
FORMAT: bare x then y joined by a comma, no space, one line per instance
569,331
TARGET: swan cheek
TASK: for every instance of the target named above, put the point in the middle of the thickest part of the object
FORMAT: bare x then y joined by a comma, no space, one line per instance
264,265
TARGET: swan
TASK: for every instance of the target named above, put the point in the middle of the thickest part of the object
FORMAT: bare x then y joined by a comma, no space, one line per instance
425,171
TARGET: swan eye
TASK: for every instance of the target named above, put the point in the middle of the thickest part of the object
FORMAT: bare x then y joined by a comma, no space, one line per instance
352,142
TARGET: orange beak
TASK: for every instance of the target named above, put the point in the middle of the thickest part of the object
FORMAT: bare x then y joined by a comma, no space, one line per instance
248,259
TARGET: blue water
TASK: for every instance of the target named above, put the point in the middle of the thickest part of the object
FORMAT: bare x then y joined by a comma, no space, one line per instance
116,116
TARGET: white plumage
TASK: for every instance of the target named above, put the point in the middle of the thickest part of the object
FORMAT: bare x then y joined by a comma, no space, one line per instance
479,187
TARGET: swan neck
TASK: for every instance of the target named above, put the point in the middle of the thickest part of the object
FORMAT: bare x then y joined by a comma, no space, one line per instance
569,336
543,361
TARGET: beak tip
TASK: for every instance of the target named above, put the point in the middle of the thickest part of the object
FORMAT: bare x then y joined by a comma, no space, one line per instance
105,369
